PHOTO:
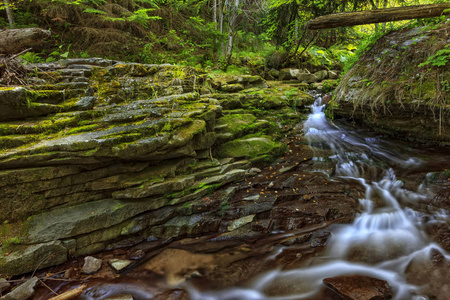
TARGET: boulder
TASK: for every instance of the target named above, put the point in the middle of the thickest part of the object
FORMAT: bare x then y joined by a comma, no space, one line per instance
288,74
359,287
307,77
274,73
321,75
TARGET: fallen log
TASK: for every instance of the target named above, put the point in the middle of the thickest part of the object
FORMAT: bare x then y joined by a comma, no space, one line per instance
13,41
379,16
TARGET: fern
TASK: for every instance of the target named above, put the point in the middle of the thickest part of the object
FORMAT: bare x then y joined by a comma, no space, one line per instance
94,11
441,58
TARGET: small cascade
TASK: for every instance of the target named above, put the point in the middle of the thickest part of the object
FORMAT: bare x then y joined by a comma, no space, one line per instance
382,241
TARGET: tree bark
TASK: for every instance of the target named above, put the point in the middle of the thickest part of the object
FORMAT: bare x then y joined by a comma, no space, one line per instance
378,16
15,40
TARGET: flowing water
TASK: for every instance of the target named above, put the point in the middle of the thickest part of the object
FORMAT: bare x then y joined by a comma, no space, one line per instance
382,242
389,239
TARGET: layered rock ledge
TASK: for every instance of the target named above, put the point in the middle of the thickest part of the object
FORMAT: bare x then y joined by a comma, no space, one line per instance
97,154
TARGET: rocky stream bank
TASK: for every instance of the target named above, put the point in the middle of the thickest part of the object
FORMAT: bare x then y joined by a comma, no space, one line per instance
172,174
97,154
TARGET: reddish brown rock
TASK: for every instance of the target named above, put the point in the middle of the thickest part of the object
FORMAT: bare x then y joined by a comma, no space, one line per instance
359,287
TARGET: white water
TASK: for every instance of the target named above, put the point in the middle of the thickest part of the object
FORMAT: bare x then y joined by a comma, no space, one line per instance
381,242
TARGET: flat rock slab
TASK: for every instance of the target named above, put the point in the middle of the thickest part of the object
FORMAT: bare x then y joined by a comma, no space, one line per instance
359,287
119,264
23,291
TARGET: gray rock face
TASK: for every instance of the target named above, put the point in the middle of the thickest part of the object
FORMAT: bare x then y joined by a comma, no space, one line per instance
31,257
23,291
91,265
115,152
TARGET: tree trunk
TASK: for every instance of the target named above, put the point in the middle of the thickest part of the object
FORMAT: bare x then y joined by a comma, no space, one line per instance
221,5
9,13
15,40
378,16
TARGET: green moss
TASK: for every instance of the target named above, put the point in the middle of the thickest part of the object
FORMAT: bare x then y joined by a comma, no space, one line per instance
425,90
252,147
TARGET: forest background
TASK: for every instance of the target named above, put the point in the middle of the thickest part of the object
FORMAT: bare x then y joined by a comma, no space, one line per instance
238,36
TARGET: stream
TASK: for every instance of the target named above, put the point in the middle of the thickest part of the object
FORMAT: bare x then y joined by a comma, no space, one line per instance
389,238
382,241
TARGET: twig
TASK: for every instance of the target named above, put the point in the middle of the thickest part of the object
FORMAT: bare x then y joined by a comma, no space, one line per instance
20,53
48,287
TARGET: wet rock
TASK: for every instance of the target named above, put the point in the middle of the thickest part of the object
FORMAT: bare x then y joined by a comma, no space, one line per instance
138,254
432,269
4,285
91,265
359,287
119,264
173,295
120,297
23,291
240,222
320,240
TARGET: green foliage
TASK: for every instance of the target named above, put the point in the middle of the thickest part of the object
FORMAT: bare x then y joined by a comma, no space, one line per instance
365,45
31,57
440,59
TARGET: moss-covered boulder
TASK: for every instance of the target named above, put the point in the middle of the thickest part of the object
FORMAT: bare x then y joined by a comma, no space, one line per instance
399,86
251,147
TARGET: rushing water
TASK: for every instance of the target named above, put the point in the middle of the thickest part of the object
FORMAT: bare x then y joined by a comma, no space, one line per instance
382,241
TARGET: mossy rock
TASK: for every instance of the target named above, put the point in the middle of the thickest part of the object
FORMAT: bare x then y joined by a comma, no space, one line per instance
251,147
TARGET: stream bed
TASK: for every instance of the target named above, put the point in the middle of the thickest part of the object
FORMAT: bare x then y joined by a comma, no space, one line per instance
341,202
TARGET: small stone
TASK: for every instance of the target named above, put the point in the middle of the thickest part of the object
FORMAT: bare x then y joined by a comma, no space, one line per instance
23,291
359,287
252,198
253,171
119,264
91,265
286,169
240,222
137,254
4,285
